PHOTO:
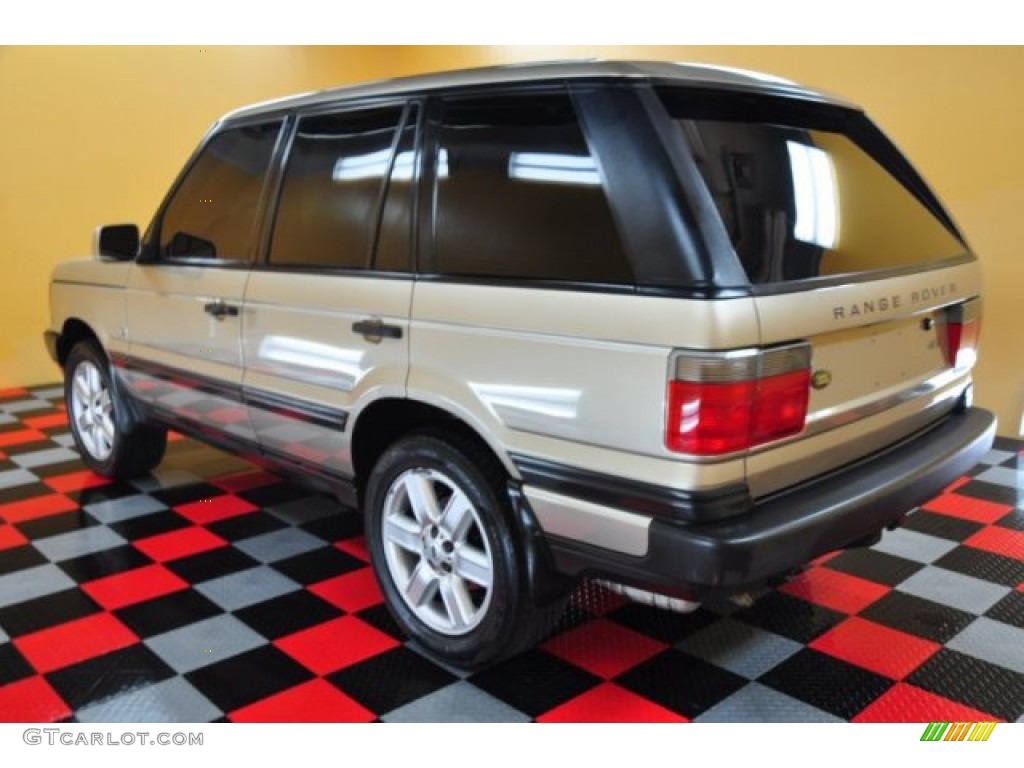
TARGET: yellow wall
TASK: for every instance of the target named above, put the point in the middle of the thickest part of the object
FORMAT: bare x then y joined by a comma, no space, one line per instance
94,135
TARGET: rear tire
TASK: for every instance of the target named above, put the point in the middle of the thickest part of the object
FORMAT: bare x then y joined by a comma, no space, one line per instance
447,552
98,416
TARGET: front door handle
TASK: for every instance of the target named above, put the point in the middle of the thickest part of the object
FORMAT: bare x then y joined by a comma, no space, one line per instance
220,310
374,329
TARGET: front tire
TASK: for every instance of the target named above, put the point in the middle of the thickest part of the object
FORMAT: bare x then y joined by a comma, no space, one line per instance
447,552
97,416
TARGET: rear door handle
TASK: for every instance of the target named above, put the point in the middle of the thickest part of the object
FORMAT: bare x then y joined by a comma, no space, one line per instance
220,310
374,330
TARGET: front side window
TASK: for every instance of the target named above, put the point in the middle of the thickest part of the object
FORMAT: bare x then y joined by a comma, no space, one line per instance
212,214
337,170
519,195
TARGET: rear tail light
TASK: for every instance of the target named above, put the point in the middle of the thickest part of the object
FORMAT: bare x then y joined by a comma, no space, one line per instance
732,401
963,324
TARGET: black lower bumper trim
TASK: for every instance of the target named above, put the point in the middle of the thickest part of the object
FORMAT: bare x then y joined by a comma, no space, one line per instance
794,527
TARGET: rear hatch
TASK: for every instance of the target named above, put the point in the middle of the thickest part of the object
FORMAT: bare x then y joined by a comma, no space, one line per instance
847,250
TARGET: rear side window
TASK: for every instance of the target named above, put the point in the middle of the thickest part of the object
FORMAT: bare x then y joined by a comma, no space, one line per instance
520,196
212,214
337,171
800,197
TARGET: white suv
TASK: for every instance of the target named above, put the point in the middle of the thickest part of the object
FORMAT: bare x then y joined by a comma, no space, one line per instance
671,327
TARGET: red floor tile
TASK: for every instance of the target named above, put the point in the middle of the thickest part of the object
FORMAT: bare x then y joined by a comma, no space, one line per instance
173,437
356,546
904,703
21,436
10,537
351,591
207,511
74,641
967,508
1000,541
76,481
608,703
832,589
244,481
36,507
177,544
130,587
335,644
228,415
880,649
12,392
48,421
31,700
603,647
314,702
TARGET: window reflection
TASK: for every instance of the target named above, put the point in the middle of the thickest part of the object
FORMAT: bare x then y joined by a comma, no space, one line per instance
815,195
553,168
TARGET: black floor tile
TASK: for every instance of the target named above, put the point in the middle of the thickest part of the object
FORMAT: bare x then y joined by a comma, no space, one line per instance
379,617
13,666
534,682
984,565
988,687
790,617
53,525
318,565
826,682
335,528
1014,521
22,492
917,616
879,567
271,495
681,682
150,525
245,526
942,526
391,679
185,494
666,626
20,558
109,675
1000,494
248,677
287,614
1009,610
178,609
60,468
102,493
196,569
104,563
49,611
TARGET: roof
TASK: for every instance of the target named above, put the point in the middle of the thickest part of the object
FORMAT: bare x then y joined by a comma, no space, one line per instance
700,75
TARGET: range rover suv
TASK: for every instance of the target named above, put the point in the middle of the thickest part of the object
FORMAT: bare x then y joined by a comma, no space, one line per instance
675,328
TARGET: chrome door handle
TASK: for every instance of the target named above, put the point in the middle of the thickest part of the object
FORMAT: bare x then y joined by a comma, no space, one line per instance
374,329
220,310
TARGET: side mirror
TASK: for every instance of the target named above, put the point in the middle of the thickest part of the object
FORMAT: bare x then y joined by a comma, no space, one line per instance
117,242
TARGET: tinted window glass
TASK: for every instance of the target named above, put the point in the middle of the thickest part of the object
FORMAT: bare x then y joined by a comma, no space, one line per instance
327,215
800,197
520,196
213,211
395,238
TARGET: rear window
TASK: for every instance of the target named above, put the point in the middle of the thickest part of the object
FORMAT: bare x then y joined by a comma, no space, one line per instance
808,191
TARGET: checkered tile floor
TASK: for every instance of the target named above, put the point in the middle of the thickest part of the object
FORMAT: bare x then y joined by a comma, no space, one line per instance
211,590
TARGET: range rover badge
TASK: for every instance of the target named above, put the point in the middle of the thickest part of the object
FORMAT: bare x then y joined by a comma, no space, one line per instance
821,378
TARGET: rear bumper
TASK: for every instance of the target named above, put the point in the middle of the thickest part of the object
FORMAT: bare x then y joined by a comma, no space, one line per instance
790,529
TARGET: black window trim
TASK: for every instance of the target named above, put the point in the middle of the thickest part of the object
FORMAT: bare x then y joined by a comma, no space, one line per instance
411,104
149,252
